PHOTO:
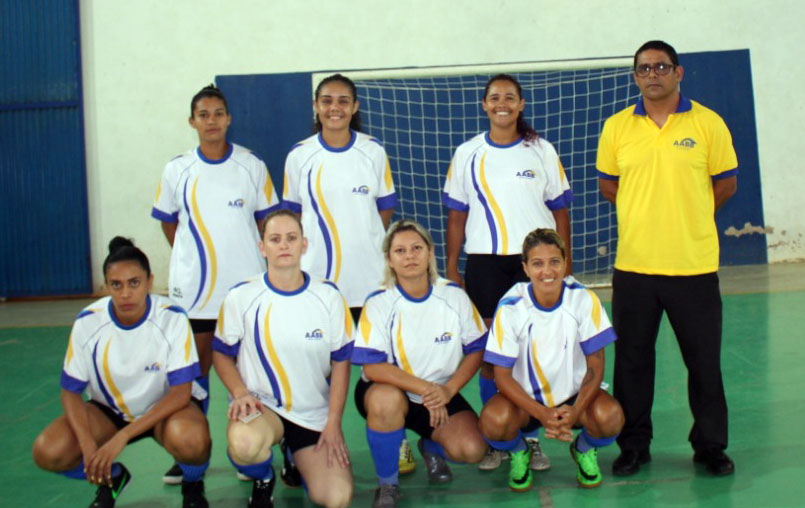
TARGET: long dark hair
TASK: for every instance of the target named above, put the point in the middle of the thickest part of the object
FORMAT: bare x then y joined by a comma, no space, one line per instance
523,128
123,249
355,121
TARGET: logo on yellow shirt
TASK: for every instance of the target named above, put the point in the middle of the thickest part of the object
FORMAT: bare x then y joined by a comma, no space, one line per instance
686,143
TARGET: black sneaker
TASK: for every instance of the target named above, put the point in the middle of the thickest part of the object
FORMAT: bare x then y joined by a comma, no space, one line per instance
262,491
386,496
106,496
290,474
173,476
193,495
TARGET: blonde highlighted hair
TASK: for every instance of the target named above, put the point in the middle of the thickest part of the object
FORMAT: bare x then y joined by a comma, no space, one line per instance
389,277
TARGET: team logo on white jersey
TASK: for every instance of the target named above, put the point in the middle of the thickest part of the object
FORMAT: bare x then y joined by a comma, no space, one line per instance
443,338
237,203
154,367
527,173
686,143
316,334
176,292
363,189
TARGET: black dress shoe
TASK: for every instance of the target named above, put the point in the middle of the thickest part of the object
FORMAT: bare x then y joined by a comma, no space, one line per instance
716,461
629,462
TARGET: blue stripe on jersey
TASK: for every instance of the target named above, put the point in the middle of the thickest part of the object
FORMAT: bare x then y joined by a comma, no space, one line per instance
453,285
365,355
72,384
725,174
164,216
563,201
330,283
604,176
498,359
199,246
84,313
598,341
272,379
454,204
328,244
291,205
262,214
230,148
224,348
478,344
184,375
175,308
532,378
373,294
387,202
492,228
342,354
109,401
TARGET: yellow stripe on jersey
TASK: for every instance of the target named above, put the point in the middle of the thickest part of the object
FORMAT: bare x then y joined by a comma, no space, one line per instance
219,325
499,328
69,355
476,317
595,312
188,344
365,326
562,176
159,192
401,349
275,361
268,189
331,224
107,373
349,324
449,171
504,235
543,381
285,186
389,182
205,234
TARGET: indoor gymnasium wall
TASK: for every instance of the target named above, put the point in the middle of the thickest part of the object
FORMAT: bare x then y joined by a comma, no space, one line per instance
144,60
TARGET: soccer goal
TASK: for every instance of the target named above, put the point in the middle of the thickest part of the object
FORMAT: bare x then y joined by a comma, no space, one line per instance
421,115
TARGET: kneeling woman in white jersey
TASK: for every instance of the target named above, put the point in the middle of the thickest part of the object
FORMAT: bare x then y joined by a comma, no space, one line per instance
134,354
547,347
282,348
420,341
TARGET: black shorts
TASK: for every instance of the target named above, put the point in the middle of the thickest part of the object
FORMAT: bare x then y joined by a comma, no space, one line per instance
418,417
119,422
297,437
533,424
203,325
487,277
356,313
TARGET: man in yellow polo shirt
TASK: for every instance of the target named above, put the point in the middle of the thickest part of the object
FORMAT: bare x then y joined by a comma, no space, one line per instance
667,163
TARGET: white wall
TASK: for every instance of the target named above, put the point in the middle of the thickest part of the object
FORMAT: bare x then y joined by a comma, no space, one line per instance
144,60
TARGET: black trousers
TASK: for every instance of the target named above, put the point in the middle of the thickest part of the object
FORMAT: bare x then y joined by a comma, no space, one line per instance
693,306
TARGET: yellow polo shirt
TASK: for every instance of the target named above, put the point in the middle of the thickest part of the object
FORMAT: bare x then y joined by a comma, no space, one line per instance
665,203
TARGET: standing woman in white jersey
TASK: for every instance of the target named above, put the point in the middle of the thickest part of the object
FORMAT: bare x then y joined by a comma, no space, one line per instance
502,184
133,354
282,349
211,201
420,341
547,345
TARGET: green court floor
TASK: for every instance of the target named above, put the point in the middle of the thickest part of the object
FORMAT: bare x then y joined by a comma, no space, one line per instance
764,371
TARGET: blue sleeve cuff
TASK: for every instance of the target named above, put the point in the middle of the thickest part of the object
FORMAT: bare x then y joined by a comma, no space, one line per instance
478,344
224,348
164,216
290,205
563,201
387,202
345,353
500,360
364,355
605,176
72,384
184,375
725,174
454,204
261,214
597,342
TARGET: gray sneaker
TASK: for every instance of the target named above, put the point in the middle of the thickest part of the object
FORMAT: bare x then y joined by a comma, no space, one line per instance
438,470
386,496
492,459
539,461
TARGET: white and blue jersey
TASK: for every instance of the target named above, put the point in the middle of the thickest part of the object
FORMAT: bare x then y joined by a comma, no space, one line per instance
339,192
130,368
426,337
283,343
216,204
546,347
506,190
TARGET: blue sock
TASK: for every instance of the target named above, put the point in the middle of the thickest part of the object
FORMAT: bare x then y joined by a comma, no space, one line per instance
192,473
204,382
77,473
488,388
385,449
116,469
532,434
585,441
433,447
517,444
260,471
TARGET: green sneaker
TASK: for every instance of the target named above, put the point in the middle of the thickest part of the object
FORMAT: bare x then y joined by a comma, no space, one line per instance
589,474
519,473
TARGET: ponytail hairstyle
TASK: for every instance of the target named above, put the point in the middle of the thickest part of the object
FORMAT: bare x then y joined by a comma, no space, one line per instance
208,91
525,130
123,249
355,121
542,236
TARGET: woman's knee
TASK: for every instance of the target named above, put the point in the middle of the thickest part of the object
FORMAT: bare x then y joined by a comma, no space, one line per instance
55,452
607,416
246,445
385,403
187,440
498,419
332,495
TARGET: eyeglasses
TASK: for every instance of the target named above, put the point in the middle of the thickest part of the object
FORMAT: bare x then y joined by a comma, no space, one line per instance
660,69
